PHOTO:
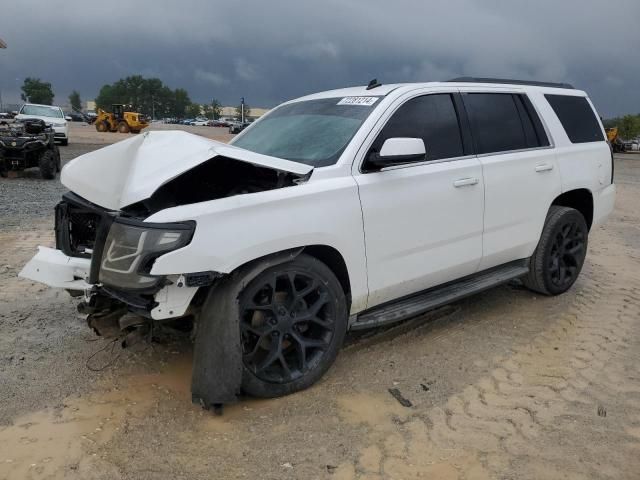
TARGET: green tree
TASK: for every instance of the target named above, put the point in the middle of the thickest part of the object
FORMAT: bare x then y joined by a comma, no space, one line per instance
194,110
216,109
247,111
74,100
629,127
35,90
148,96
213,111
180,103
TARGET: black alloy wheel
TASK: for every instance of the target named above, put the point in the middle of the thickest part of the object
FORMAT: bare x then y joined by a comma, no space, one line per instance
557,261
567,253
292,322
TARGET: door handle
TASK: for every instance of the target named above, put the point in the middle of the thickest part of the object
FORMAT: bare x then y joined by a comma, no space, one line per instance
544,167
464,182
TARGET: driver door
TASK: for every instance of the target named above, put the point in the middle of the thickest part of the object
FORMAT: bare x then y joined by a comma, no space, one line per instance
423,221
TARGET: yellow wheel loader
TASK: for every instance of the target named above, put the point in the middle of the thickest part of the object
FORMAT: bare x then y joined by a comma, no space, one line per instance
616,143
120,120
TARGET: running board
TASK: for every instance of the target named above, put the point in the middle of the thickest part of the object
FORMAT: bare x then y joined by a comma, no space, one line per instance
419,303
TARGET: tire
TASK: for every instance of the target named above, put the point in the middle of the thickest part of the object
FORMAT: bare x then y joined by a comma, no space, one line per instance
123,127
286,347
48,164
64,142
557,260
102,127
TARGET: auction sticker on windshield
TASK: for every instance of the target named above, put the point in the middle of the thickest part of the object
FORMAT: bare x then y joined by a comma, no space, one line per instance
364,101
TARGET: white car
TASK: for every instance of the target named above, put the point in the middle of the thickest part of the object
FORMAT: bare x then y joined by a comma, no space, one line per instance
49,114
200,122
341,210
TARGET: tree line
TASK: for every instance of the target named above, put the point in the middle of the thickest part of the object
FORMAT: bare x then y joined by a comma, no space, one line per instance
628,126
148,96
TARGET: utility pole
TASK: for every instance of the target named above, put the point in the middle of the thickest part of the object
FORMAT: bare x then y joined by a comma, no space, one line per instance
242,110
2,45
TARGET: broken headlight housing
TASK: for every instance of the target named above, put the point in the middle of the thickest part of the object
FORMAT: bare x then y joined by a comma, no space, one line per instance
132,246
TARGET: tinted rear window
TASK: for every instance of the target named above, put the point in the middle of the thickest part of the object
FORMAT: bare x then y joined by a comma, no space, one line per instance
495,122
577,118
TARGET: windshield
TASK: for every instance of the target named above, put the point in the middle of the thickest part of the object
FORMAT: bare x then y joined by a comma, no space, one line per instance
314,132
41,111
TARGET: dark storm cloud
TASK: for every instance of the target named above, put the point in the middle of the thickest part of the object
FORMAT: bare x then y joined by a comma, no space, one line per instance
272,51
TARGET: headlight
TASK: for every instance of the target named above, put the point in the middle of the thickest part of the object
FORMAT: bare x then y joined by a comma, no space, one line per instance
59,125
131,247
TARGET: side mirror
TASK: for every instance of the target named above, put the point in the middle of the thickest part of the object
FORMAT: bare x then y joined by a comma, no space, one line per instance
399,150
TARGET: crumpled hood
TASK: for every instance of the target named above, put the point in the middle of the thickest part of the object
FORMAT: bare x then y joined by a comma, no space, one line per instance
129,171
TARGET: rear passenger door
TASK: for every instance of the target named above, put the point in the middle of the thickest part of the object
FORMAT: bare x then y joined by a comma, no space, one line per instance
520,170
422,220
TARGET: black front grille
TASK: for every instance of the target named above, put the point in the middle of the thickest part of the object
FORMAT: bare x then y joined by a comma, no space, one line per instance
81,229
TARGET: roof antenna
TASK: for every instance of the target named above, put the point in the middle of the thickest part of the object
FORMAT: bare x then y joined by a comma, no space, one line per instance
373,84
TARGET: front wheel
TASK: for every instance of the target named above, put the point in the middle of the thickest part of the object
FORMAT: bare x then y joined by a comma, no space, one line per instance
557,261
293,319
48,165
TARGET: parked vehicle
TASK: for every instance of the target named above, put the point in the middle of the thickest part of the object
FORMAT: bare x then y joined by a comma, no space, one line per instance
237,127
120,119
51,115
200,122
77,117
342,210
614,140
29,143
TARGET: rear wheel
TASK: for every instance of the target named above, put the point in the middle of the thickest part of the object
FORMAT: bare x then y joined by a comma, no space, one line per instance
293,319
123,127
558,258
48,164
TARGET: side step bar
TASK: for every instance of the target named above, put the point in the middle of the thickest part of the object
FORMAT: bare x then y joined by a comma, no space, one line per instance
419,303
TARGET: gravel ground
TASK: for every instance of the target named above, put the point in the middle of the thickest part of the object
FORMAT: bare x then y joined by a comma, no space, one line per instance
504,385
29,198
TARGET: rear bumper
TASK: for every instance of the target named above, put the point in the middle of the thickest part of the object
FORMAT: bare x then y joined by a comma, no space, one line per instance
603,204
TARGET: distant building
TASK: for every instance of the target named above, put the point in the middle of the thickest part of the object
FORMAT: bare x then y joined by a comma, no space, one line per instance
254,112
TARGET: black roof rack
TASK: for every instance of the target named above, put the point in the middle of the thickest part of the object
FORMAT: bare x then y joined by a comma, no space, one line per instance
511,82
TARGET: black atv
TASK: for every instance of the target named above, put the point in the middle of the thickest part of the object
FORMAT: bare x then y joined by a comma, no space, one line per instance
26,144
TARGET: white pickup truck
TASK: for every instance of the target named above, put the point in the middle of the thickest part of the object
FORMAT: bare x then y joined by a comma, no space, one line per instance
345,209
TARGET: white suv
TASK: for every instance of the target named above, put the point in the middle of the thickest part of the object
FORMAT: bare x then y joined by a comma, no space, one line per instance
342,210
51,115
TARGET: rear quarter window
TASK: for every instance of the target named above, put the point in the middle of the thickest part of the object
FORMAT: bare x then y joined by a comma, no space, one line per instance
577,118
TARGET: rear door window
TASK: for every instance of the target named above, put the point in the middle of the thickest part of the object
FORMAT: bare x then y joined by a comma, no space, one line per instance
577,118
430,117
496,123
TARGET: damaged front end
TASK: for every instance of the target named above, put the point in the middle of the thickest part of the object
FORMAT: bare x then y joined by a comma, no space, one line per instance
105,248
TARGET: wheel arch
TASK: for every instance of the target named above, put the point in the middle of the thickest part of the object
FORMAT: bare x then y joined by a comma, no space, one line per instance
328,255
580,199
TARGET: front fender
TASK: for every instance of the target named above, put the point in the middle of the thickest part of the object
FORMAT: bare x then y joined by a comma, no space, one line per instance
234,231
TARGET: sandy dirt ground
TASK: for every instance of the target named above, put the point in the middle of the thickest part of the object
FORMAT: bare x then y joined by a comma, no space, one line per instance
504,385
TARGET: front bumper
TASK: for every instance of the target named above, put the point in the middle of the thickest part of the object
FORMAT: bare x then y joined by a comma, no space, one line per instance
61,133
55,269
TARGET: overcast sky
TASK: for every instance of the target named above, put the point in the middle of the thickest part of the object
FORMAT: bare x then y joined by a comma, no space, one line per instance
270,51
